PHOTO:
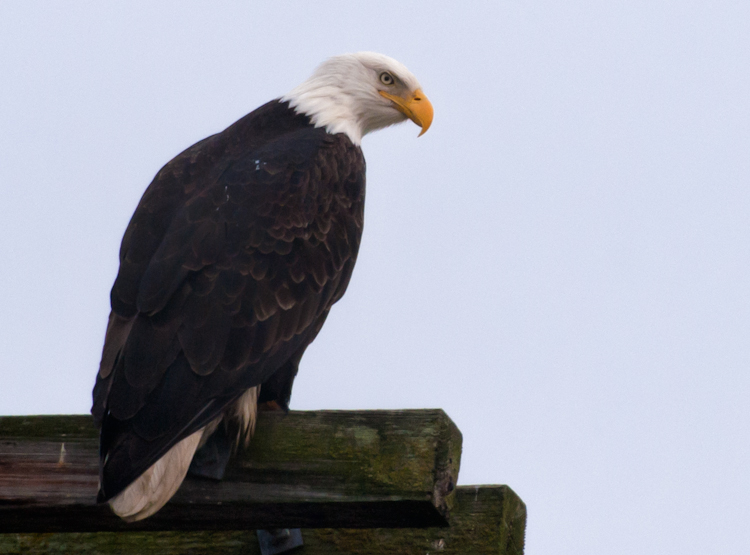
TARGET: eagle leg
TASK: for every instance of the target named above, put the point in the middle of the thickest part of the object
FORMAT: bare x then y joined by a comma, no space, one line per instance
279,540
210,461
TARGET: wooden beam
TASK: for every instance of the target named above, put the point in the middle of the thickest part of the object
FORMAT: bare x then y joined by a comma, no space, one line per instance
323,469
488,520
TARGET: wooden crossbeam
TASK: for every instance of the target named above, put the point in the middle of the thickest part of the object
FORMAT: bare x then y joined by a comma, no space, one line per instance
322,469
487,520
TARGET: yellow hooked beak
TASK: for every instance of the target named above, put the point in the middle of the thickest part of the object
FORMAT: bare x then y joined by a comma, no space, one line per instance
417,108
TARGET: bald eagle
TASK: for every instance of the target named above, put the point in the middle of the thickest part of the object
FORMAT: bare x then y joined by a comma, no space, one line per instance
228,269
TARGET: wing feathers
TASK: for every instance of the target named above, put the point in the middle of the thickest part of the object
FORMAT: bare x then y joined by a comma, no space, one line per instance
227,271
204,345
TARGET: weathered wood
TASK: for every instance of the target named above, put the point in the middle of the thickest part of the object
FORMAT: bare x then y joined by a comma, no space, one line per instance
350,469
485,520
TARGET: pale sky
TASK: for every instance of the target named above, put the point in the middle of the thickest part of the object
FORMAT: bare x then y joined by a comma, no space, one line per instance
561,262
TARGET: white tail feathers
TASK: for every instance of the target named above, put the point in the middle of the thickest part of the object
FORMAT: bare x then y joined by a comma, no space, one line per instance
151,491
158,484
244,411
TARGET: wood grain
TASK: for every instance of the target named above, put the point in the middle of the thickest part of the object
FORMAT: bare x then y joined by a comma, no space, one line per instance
485,520
319,469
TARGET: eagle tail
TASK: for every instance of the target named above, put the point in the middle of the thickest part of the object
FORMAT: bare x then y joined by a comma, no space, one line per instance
152,489
158,484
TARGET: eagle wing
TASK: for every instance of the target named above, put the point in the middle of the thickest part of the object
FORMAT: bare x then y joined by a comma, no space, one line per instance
228,269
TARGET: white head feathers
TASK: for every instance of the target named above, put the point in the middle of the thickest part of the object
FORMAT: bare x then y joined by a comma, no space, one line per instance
343,95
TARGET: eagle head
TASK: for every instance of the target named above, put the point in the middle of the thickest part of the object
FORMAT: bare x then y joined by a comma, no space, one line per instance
359,93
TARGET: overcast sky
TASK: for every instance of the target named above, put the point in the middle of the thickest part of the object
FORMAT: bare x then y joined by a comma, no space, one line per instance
561,262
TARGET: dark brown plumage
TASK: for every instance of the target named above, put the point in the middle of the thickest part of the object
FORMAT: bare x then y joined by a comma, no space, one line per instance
228,268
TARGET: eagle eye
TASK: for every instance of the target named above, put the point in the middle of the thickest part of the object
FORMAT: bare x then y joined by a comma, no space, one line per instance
386,78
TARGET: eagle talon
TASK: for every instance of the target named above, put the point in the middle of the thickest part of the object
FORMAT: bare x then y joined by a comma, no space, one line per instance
279,540
272,406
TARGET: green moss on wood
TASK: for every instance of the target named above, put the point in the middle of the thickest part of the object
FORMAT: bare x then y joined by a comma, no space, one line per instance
486,520
51,427
354,464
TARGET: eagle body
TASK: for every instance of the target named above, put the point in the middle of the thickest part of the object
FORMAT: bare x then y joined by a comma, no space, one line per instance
228,269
